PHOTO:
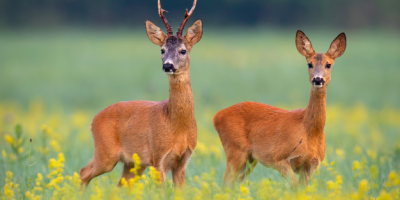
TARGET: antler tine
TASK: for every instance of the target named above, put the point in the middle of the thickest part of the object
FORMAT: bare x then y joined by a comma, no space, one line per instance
187,15
167,25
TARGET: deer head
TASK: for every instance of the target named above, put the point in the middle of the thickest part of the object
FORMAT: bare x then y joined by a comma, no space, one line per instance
175,48
319,64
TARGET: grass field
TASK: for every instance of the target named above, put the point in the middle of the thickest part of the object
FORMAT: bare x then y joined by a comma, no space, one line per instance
52,83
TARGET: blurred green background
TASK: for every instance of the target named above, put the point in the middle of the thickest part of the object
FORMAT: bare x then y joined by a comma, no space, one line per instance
89,54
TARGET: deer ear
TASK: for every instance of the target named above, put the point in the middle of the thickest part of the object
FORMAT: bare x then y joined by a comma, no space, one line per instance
155,34
338,46
194,33
303,44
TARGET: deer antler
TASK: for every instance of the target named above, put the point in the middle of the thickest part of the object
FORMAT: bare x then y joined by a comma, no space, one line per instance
187,15
167,25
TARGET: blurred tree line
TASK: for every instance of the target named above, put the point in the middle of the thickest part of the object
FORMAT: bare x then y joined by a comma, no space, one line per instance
317,13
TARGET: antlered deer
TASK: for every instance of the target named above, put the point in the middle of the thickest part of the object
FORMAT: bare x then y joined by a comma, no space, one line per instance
288,141
164,133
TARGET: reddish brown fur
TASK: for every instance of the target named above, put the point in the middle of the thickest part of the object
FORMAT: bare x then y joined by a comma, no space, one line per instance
288,141
163,134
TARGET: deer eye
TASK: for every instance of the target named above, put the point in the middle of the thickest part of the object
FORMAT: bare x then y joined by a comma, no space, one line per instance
183,52
162,51
328,66
310,65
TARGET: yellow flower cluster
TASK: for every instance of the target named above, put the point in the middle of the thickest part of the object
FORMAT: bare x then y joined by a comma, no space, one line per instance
347,172
10,188
393,180
363,188
334,188
53,138
155,175
244,192
9,139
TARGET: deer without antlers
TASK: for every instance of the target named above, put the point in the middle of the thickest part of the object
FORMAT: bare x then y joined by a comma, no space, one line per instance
164,133
288,141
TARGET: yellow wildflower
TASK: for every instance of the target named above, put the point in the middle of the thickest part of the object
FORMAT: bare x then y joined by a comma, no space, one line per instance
4,154
98,192
136,159
371,154
339,179
393,179
8,192
60,178
244,190
340,153
47,129
54,144
20,150
356,165
224,196
52,163
51,174
392,176
9,139
124,183
196,179
357,150
9,175
384,196
330,185
77,179
205,189
29,195
132,181
39,177
363,186
155,175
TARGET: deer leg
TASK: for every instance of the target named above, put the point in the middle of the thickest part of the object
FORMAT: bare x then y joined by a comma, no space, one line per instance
248,168
179,172
99,165
178,176
286,171
305,173
235,165
128,175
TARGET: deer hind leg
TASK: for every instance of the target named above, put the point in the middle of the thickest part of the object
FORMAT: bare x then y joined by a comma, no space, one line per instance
286,171
248,168
235,166
128,175
99,165
305,174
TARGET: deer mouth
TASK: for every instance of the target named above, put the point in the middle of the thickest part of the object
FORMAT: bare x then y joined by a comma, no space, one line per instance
169,69
318,82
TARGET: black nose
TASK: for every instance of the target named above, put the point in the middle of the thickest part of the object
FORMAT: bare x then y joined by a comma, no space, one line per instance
168,67
318,81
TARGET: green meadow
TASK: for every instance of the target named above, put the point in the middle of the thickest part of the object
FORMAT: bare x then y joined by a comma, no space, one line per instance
53,82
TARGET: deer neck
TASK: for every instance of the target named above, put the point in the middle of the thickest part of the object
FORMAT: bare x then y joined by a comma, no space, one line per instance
180,106
315,113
